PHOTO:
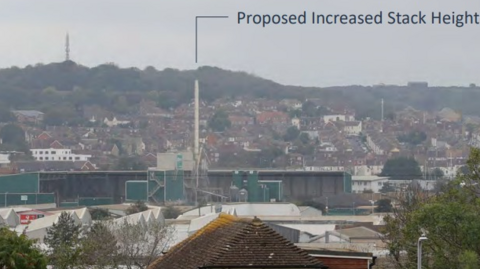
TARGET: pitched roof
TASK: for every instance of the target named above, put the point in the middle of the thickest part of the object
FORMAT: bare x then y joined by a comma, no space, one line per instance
229,241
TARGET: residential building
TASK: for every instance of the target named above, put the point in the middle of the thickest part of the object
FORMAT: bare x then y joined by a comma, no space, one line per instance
368,183
53,154
28,116
338,117
115,122
353,127
4,159
240,120
296,122
272,117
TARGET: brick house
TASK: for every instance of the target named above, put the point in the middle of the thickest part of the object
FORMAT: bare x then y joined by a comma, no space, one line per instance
338,259
240,120
273,117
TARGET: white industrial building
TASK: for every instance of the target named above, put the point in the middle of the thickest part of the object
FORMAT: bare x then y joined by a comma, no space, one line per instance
52,154
368,183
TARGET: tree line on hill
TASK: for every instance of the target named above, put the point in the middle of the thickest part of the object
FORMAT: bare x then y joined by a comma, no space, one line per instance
61,89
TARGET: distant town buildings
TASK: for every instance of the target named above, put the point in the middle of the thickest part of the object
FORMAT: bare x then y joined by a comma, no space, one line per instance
52,154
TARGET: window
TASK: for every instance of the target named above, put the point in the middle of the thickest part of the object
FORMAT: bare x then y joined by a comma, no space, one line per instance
64,158
41,158
53,152
77,158
41,152
46,158
70,158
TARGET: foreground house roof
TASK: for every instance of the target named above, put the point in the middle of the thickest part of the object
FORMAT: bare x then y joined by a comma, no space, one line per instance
232,242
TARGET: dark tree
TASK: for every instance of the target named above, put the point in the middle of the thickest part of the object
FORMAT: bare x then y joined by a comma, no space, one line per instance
304,138
171,212
292,133
387,187
130,163
219,121
18,251
295,113
13,138
464,170
309,109
413,138
99,213
12,134
384,205
437,173
137,207
99,247
63,239
6,115
322,111
402,168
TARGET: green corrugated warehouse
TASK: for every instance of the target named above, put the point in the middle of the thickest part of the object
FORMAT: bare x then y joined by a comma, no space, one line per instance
20,183
136,190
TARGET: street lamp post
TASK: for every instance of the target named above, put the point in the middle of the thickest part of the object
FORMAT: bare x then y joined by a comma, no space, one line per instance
419,250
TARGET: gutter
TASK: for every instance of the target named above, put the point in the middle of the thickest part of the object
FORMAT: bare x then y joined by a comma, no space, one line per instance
374,258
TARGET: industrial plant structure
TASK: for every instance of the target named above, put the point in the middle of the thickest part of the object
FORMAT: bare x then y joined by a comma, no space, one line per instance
179,177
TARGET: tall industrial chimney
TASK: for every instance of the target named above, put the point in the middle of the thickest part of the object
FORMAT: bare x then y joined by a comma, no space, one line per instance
196,149
382,109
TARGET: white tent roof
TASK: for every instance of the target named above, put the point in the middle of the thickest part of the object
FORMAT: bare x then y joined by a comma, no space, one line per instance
157,212
9,217
48,221
252,209
131,219
148,216
198,223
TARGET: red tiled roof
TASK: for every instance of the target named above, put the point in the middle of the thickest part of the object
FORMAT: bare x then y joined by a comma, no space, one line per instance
229,242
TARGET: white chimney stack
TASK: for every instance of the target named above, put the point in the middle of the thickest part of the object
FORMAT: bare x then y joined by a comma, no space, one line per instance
196,149
382,109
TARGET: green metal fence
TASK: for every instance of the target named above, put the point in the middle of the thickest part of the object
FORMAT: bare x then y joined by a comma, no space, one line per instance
15,199
93,201
69,204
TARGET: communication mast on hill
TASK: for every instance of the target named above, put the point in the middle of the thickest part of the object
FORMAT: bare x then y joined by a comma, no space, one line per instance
67,48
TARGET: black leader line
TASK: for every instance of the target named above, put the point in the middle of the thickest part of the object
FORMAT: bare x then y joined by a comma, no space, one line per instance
196,31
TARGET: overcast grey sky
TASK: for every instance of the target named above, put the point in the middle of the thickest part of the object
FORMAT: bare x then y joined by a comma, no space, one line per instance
161,33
